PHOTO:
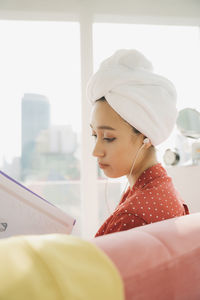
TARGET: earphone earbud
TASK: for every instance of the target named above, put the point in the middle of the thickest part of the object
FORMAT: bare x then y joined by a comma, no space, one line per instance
146,141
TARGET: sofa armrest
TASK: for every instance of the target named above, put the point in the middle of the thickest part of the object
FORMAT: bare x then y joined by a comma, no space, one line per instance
158,261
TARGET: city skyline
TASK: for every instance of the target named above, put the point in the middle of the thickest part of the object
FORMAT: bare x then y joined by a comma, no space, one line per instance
47,150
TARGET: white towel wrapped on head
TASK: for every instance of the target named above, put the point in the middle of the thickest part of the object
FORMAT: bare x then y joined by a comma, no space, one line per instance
147,101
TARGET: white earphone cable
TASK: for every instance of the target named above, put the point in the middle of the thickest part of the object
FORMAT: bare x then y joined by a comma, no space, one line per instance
106,198
133,165
146,140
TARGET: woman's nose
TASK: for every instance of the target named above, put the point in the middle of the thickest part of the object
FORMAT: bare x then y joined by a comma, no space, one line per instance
98,150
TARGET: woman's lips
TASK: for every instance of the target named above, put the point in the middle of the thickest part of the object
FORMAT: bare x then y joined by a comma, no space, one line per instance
102,166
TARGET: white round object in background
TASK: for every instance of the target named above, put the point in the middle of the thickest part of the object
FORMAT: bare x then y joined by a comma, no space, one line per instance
171,157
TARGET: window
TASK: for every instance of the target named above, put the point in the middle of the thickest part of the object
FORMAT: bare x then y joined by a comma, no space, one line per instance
40,115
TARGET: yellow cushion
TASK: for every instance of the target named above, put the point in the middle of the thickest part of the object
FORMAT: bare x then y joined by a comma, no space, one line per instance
56,267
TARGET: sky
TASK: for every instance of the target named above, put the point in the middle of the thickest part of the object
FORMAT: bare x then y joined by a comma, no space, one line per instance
44,57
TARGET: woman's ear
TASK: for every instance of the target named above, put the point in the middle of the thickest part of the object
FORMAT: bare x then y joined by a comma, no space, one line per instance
147,142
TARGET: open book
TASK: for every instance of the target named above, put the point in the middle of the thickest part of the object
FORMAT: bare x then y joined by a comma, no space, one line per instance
24,212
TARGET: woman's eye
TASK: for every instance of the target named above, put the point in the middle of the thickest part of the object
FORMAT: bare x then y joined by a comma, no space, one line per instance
106,139
109,139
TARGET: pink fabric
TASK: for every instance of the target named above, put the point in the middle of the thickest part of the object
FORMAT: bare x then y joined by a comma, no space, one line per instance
158,261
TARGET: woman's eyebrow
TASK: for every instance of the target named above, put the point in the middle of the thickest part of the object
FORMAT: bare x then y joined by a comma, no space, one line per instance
104,127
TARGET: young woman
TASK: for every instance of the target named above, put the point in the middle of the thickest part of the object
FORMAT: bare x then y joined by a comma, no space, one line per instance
134,110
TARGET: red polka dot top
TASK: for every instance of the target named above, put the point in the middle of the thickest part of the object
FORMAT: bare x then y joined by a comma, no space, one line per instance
152,198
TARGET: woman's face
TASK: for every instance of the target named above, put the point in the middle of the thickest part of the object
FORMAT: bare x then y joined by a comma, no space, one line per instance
115,142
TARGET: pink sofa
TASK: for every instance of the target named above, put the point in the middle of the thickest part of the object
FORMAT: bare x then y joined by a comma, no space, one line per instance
159,261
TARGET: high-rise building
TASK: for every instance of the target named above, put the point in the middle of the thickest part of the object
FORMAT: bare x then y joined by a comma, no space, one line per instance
35,118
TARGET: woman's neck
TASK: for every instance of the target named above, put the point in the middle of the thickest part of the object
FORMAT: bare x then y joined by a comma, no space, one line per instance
144,165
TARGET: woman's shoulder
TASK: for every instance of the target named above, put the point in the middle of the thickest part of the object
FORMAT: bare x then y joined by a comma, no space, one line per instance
153,204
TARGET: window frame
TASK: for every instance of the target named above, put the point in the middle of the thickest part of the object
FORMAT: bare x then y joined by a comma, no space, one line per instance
86,17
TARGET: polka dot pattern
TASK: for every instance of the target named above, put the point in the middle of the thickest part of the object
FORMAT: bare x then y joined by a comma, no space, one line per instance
153,198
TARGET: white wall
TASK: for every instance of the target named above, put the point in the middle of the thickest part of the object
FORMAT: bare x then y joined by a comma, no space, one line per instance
186,181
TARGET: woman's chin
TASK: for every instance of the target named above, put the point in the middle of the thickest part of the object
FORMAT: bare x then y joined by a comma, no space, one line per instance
111,174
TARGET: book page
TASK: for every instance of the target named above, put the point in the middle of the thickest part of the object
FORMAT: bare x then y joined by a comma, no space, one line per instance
24,212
